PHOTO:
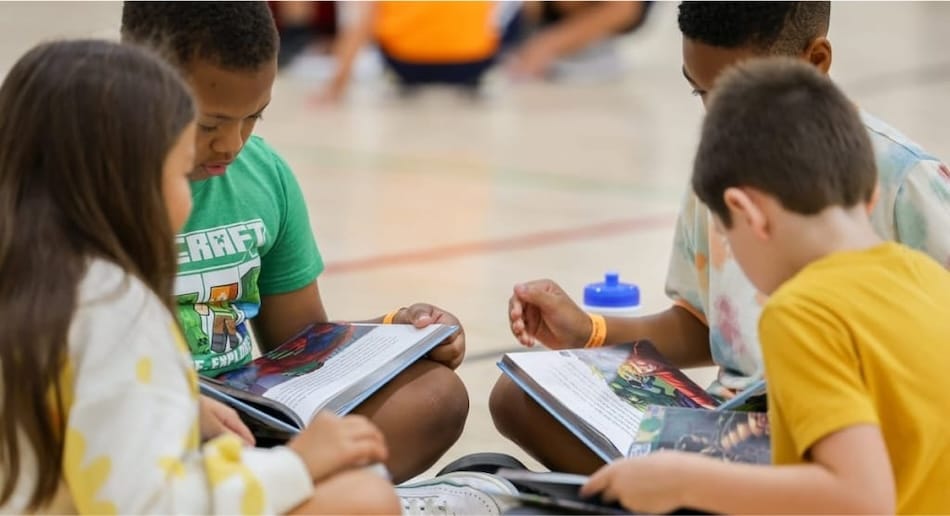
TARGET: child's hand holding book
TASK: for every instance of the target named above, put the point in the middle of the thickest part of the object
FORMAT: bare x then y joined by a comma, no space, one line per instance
331,444
217,418
653,484
450,352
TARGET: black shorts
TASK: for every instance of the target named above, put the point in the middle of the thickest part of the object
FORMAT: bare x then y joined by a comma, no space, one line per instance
460,74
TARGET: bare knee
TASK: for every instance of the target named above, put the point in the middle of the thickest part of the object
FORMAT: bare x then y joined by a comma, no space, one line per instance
352,492
421,413
425,397
506,405
439,401
452,403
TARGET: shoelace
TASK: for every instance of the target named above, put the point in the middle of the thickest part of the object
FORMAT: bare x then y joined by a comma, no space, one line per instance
424,505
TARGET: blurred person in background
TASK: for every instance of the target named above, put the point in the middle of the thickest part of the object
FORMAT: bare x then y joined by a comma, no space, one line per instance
456,43
573,32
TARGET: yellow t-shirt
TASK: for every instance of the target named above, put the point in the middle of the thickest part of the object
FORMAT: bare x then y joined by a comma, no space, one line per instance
436,32
864,337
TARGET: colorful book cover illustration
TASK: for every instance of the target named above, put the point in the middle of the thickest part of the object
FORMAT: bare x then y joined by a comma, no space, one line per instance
644,377
728,435
600,394
305,353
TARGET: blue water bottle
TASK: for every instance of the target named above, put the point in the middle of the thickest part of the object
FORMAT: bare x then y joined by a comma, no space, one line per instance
612,298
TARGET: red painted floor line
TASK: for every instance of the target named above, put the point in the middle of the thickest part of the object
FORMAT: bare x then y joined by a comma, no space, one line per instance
528,241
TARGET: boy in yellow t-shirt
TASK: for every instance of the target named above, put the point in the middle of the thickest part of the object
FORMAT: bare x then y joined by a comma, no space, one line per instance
854,336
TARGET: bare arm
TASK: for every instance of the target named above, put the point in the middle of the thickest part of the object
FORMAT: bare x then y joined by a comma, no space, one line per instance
347,46
540,312
283,315
587,24
849,472
677,334
596,21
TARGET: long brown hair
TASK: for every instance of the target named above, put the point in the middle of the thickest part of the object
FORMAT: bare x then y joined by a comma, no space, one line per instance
85,127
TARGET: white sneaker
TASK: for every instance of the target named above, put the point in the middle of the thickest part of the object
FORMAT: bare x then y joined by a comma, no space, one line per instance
457,493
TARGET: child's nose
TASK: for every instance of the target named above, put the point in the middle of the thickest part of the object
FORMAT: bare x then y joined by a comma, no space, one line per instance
229,141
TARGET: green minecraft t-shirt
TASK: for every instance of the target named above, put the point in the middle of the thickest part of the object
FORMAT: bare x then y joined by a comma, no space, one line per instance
248,235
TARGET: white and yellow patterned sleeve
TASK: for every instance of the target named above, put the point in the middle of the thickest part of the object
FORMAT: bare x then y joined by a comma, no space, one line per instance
132,444
922,210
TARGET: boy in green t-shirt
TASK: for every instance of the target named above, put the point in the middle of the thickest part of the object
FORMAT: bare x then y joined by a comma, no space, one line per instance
248,251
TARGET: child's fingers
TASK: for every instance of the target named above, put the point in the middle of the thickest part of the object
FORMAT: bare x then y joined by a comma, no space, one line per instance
515,308
517,327
234,424
421,315
523,337
325,417
597,482
531,319
517,323
359,426
365,451
449,354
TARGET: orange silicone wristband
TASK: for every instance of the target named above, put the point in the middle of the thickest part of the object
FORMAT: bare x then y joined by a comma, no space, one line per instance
598,331
388,318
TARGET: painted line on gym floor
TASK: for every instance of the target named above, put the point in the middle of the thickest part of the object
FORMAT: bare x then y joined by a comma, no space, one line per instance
501,245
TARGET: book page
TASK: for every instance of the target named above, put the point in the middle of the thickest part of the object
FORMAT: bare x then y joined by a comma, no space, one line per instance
581,388
351,362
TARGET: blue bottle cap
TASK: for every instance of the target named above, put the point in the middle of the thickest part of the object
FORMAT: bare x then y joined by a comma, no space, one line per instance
612,293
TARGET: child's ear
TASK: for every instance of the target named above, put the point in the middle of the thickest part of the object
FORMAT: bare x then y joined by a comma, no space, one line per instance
875,196
818,53
743,208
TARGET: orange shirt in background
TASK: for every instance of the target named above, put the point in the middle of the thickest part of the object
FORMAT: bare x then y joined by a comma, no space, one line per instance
436,32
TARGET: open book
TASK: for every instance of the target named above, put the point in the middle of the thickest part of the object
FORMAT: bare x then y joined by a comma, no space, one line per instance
601,394
724,434
330,366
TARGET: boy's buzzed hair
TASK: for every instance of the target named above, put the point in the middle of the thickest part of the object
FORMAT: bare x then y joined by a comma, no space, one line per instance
233,35
782,127
781,28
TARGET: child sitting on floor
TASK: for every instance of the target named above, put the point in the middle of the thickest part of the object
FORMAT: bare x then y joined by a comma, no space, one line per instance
854,334
100,396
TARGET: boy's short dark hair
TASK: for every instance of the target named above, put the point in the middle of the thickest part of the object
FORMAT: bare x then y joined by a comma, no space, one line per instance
233,35
782,127
783,28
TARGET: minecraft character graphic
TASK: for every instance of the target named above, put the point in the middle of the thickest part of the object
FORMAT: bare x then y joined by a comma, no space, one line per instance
224,332
189,316
213,324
